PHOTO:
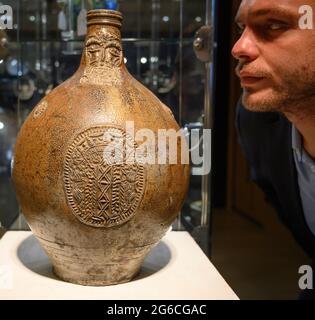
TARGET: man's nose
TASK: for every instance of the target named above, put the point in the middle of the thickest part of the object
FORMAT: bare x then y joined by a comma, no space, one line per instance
245,48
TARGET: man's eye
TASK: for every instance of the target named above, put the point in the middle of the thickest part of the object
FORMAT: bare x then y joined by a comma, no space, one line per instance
276,26
271,29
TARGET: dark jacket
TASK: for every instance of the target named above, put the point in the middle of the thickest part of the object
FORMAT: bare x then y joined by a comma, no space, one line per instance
266,141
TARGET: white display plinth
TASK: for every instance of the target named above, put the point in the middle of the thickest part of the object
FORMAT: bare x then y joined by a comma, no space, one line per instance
175,269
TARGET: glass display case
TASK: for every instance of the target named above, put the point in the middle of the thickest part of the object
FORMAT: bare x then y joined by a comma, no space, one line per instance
42,48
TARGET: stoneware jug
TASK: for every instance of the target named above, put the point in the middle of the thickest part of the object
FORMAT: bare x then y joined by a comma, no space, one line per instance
96,213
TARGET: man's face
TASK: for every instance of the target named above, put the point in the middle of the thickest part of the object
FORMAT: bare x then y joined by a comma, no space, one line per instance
276,57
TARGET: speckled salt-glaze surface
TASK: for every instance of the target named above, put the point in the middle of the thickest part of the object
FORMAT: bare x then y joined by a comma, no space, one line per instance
95,218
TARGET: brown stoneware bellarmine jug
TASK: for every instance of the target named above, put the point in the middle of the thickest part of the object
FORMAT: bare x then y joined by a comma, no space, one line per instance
96,213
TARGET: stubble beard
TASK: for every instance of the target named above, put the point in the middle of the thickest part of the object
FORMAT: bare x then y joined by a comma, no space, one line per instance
295,96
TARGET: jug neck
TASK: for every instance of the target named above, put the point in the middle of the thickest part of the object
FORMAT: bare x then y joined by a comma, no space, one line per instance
103,47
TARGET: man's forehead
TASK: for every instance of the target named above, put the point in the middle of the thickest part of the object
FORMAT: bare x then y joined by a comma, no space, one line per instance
256,8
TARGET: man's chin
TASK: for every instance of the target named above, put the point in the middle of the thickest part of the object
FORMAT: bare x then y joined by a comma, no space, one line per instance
259,101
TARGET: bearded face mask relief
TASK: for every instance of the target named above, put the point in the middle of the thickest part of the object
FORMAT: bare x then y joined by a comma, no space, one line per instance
103,51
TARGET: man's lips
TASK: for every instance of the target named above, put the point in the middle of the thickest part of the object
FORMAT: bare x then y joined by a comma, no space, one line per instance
248,79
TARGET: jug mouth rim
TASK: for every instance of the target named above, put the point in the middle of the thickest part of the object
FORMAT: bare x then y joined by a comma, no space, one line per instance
105,17
105,11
